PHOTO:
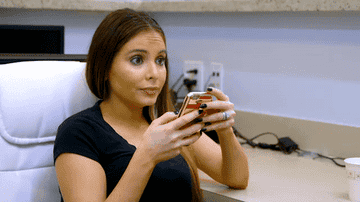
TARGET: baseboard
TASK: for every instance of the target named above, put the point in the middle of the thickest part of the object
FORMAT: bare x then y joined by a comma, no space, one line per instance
325,138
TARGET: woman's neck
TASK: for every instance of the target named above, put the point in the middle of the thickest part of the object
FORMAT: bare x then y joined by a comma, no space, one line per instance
122,113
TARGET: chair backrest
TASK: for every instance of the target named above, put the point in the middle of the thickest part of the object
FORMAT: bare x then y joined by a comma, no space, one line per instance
35,98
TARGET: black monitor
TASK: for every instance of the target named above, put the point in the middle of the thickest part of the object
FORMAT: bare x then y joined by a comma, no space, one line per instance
28,39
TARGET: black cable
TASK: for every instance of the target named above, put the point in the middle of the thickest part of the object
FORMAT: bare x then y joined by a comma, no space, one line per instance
277,148
177,81
206,83
177,92
267,133
318,155
238,134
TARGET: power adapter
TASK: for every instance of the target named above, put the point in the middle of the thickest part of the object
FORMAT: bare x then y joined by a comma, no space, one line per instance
189,84
287,145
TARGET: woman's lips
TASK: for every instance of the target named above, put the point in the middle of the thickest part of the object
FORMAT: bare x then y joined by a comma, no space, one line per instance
151,91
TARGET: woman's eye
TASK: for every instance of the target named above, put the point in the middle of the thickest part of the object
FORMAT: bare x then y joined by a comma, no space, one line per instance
136,60
160,61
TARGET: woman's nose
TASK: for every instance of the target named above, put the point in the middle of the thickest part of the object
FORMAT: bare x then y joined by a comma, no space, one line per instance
152,71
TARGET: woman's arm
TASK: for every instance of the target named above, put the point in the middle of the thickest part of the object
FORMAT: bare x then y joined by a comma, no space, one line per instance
83,179
80,178
234,169
134,180
226,163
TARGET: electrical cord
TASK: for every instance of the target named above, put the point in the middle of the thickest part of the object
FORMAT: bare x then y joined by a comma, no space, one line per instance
187,82
177,81
177,92
267,133
207,82
317,155
285,142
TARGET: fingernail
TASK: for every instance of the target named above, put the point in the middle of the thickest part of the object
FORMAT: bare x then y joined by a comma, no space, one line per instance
198,120
176,112
201,111
209,89
203,105
203,130
207,123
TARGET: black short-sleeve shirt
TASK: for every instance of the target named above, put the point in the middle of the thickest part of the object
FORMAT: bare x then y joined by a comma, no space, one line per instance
87,134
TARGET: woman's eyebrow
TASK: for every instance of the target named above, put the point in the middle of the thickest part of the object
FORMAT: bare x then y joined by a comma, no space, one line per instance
137,50
144,51
163,51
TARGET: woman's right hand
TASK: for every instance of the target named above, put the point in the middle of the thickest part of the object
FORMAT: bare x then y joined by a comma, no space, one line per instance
165,136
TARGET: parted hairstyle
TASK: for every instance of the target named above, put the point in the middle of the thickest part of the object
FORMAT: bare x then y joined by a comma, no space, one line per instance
113,33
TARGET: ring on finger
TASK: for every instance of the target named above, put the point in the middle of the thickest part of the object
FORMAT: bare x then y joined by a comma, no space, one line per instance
226,115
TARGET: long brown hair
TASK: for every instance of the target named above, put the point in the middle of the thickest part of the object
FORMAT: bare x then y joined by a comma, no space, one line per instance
113,33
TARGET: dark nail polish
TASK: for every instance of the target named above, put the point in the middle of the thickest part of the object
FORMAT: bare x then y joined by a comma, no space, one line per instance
207,123
201,111
203,105
203,130
198,120
176,112
209,89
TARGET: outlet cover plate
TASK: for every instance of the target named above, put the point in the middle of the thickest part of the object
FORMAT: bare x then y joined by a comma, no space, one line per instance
217,80
191,65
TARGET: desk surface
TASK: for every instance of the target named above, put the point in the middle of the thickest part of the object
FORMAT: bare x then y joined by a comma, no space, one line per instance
275,176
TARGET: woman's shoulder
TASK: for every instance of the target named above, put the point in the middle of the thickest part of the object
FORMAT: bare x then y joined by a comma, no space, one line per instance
79,130
77,135
88,116
86,125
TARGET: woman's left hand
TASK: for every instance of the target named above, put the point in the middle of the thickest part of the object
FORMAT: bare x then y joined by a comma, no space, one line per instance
220,113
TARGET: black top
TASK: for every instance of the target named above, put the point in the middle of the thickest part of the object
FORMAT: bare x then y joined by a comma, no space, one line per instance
87,134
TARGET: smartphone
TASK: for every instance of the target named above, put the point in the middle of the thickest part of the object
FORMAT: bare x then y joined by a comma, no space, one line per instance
192,102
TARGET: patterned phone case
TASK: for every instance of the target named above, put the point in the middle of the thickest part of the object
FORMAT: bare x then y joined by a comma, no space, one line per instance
192,102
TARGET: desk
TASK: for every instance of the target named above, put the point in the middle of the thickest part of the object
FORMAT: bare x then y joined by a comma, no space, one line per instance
275,176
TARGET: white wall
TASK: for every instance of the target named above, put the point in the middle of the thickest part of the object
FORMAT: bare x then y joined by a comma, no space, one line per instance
301,65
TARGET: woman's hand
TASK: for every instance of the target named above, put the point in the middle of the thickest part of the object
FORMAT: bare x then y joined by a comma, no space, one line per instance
227,162
164,138
220,113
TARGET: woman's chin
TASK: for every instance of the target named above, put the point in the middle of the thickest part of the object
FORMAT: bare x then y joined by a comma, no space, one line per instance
148,102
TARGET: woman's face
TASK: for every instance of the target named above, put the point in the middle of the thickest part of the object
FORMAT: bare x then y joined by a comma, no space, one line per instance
138,71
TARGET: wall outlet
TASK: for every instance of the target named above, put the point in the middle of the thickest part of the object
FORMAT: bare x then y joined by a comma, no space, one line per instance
217,75
199,76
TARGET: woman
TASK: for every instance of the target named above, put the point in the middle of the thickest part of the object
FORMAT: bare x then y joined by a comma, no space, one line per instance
128,146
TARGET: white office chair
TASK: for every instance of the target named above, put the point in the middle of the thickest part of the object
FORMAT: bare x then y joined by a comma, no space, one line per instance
35,98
